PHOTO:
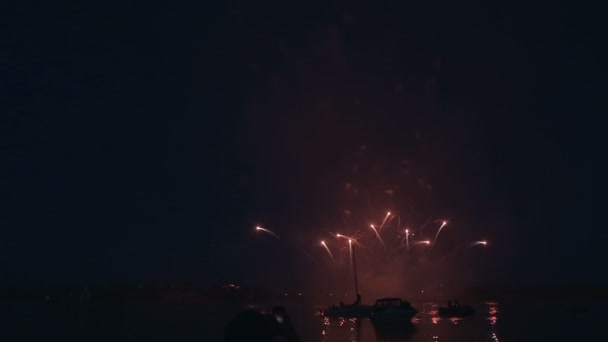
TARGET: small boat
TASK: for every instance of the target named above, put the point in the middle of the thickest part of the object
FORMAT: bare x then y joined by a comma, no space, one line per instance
456,310
392,310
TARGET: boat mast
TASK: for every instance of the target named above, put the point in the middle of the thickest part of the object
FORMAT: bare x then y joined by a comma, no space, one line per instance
355,269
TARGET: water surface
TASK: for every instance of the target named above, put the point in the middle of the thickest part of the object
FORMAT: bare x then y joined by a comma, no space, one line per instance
125,320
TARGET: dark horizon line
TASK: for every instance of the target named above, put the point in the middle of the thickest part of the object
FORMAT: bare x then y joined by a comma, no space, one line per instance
603,286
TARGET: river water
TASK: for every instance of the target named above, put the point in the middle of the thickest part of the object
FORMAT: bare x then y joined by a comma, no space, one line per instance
120,320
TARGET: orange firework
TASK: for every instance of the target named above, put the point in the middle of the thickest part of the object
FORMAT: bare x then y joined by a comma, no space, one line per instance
378,235
258,228
328,251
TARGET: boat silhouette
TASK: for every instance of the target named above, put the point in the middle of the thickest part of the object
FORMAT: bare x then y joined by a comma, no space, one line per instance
355,310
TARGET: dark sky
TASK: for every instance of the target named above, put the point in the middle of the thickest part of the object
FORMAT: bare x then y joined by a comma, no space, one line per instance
144,142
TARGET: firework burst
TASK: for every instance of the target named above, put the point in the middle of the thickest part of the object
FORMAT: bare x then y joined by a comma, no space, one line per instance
389,246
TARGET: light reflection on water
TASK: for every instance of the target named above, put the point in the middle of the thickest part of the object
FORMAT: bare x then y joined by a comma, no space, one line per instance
426,326
493,322
105,320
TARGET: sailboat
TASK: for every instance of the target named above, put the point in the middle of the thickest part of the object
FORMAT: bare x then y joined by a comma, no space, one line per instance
355,310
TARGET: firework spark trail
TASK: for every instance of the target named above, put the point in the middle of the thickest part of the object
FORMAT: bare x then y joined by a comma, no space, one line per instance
358,243
410,244
443,224
407,241
483,242
328,251
414,243
390,218
350,251
468,245
355,240
378,236
398,228
388,214
426,242
346,237
425,224
267,231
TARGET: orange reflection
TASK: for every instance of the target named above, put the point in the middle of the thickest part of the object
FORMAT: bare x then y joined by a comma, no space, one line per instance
435,320
492,320
455,320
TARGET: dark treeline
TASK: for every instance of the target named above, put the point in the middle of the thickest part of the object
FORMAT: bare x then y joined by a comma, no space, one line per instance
226,293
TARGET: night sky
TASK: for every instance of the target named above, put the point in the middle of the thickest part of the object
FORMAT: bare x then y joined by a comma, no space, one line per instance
143,143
